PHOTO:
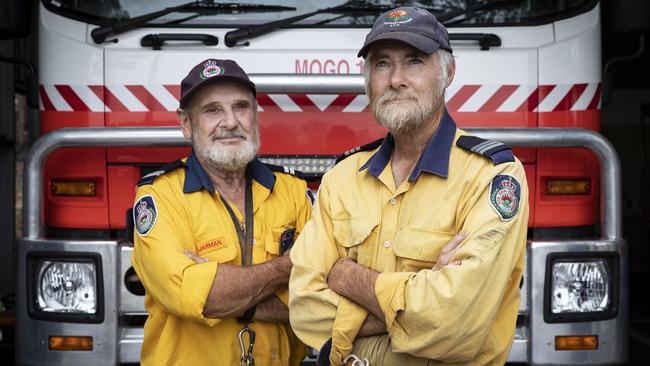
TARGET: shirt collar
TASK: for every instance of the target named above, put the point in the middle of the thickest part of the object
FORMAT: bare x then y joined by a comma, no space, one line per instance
434,158
196,178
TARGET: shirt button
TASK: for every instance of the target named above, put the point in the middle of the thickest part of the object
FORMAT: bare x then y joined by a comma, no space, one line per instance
393,201
386,244
274,355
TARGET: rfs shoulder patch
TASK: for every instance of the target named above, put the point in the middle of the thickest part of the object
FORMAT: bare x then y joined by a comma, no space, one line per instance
145,215
505,193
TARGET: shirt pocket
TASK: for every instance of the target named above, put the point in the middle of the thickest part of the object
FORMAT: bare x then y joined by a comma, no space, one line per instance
270,247
355,238
418,249
272,243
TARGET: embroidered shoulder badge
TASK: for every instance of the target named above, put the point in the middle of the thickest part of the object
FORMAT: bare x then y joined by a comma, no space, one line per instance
145,214
505,193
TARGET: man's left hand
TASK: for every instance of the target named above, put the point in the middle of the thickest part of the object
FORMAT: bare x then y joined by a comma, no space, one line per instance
195,257
449,251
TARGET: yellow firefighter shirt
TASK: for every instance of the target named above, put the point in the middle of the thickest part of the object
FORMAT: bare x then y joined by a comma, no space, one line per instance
181,210
462,314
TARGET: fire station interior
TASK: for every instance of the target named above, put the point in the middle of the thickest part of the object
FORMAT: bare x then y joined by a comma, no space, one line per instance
625,123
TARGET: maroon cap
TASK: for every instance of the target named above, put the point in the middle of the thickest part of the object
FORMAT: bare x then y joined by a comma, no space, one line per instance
210,71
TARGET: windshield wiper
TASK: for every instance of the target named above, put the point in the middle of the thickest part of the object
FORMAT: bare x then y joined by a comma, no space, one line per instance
99,34
231,38
467,12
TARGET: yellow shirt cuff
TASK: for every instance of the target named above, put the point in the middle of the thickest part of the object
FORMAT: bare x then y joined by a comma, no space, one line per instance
197,282
349,320
389,290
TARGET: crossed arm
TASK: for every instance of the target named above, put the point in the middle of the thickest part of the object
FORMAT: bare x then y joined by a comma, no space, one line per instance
237,288
362,289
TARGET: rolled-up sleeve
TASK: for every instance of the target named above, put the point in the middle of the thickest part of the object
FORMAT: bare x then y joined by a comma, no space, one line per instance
312,305
172,279
447,314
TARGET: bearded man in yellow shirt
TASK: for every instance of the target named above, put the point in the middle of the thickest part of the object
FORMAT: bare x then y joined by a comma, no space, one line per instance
370,273
210,233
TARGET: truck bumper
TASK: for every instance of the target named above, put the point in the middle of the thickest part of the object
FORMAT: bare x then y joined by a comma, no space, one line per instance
115,343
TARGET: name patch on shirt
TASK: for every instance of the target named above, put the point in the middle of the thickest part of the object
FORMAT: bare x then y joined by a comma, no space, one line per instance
505,193
210,246
145,215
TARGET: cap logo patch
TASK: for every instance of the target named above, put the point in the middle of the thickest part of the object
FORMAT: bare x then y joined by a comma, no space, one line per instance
210,69
145,215
505,193
397,17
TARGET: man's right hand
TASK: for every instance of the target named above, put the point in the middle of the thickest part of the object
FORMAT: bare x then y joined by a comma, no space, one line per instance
449,250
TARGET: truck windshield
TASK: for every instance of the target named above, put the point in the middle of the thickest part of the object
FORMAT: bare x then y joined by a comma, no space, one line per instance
254,12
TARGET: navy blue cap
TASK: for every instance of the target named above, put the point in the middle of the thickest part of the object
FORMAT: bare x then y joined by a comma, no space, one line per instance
414,26
209,71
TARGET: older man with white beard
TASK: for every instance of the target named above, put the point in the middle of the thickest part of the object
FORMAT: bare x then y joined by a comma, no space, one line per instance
211,231
377,271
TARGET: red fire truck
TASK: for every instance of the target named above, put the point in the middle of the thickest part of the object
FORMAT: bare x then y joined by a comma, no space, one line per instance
528,73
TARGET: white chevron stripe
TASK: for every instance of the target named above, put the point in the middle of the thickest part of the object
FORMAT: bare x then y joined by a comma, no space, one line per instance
451,91
479,98
489,146
322,101
517,98
483,145
259,108
357,104
163,96
57,100
285,103
553,98
587,95
89,98
125,97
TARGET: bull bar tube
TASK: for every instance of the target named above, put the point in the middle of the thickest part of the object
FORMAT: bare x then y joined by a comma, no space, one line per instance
534,340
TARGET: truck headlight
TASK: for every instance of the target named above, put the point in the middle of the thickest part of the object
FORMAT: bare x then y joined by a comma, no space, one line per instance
65,286
581,288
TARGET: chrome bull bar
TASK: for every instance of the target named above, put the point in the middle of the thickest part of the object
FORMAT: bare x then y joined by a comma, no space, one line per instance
611,216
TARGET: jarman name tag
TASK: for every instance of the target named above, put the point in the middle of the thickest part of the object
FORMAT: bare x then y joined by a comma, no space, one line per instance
210,246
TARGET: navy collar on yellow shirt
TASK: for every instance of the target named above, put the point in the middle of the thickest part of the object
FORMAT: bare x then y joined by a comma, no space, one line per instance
434,159
196,178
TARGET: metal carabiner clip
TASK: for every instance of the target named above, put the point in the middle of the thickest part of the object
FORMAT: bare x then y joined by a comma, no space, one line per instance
353,360
246,356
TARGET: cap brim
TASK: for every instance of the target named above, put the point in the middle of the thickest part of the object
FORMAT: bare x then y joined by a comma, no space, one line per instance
249,84
418,41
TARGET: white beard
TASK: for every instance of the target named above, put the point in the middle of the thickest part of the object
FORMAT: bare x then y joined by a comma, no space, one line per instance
404,119
219,157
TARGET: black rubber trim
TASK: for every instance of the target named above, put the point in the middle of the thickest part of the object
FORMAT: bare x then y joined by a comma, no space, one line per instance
157,41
